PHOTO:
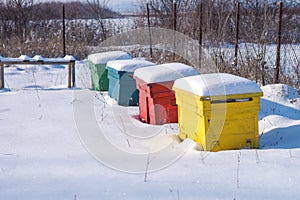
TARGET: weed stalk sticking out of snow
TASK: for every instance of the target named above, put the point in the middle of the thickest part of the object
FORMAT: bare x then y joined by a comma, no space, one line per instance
36,88
123,125
238,170
128,143
202,156
147,167
177,193
102,114
290,152
101,99
257,156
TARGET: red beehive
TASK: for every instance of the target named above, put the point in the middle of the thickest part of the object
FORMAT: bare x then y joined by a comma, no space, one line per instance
157,103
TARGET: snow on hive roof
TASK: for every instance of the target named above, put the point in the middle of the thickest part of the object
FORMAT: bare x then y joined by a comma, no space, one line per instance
128,65
103,58
217,84
165,72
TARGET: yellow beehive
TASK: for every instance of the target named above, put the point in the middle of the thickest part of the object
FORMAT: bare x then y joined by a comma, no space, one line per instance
218,111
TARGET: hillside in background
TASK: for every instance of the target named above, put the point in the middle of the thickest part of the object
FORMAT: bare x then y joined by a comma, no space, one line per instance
74,10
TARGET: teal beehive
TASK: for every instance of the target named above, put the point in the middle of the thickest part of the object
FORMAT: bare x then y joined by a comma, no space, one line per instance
97,64
122,86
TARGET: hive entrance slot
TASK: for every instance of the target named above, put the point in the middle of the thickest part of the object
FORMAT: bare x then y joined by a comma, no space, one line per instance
231,100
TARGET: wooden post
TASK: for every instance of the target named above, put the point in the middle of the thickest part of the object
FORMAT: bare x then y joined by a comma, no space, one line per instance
174,27
63,31
149,28
277,67
73,74
236,43
1,76
69,75
200,32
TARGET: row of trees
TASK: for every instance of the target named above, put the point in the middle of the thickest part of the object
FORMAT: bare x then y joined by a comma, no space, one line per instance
257,17
258,27
29,27
32,27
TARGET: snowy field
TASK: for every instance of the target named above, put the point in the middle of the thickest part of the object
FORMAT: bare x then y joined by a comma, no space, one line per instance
43,154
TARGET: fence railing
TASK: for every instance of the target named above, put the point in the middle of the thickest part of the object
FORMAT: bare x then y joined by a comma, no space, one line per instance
25,60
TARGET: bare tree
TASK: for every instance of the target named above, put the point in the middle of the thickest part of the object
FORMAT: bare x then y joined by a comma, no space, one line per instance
98,9
20,12
162,11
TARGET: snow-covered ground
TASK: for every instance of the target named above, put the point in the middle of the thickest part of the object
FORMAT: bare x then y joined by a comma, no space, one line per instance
44,154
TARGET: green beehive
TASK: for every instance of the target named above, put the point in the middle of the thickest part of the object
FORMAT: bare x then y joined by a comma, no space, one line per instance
97,64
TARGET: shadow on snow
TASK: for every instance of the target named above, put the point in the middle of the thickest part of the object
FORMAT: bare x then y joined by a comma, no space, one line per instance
280,137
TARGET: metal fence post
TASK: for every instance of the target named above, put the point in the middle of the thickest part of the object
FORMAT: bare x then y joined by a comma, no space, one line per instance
149,29
236,43
174,27
200,33
63,30
277,68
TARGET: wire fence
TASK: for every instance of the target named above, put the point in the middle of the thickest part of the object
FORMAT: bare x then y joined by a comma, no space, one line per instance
212,25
